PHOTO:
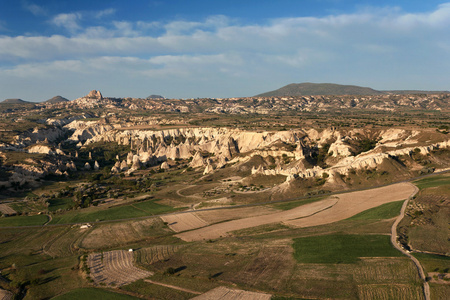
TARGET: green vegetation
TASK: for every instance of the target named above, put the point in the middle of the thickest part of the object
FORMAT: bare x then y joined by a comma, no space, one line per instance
141,209
295,203
23,220
93,293
364,145
384,211
434,263
432,181
60,203
336,249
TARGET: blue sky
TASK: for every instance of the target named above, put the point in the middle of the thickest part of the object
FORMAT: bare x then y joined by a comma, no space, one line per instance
184,49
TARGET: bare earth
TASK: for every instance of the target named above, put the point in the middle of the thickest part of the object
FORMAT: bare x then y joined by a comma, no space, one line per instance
224,293
220,215
184,221
115,268
329,210
222,229
350,204
7,210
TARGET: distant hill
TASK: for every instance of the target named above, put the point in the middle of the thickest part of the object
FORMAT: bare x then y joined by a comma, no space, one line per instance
155,97
307,89
56,99
14,101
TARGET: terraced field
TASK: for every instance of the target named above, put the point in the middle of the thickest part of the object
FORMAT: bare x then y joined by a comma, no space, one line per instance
115,268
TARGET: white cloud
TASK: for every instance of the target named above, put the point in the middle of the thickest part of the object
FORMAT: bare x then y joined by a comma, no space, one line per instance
105,12
68,21
34,8
380,46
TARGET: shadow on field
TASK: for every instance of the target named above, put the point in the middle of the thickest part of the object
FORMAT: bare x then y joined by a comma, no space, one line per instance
180,269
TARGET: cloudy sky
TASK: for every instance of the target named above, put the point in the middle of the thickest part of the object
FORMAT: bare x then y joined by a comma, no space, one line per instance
212,48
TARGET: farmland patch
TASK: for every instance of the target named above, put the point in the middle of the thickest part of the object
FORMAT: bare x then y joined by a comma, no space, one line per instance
117,234
5,209
224,293
336,249
184,221
114,268
23,221
389,291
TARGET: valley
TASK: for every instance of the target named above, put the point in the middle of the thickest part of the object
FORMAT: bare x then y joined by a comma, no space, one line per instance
271,197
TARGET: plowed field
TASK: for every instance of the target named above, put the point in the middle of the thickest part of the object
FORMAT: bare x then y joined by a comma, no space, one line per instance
184,221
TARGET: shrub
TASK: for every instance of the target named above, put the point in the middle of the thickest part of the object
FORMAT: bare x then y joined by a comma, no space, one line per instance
170,271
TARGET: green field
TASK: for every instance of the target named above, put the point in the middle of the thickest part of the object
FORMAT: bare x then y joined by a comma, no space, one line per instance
335,249
93,293
59,203
23,221
432,181
434,263
384,211
295,203
141,209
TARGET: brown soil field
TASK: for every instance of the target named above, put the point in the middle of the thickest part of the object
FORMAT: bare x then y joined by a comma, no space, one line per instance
6,295
220,215
7,210
115,268
222,229
389,291
184,221
329,210
224,293
352,203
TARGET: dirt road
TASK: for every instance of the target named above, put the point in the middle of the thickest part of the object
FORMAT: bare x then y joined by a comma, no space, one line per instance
394,241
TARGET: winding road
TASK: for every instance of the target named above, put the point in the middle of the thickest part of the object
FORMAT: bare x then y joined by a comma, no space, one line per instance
396,244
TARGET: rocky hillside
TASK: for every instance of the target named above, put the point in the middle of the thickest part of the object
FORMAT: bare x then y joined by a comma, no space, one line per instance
56,99
325,156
